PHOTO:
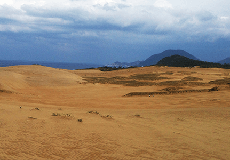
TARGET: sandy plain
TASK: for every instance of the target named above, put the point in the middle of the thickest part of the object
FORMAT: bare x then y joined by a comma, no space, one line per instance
49,113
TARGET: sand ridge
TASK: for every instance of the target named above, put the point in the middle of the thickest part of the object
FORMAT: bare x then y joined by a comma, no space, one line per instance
40,110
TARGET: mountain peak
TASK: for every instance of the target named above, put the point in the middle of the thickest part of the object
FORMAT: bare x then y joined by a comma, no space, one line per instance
152,60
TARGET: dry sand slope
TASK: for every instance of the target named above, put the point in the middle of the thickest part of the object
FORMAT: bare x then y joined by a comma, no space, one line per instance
49,113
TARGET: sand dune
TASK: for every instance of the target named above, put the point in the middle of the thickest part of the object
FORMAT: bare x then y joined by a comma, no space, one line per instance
49,113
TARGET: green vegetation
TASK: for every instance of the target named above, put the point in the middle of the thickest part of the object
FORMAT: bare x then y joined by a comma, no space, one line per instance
181,61
112,68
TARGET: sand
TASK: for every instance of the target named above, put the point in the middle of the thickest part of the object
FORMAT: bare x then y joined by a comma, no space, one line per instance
49,113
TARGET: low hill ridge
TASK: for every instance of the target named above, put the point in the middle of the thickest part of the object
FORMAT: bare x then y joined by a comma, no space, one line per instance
181,61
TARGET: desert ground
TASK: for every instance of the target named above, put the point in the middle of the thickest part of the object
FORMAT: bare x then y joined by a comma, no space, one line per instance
136,113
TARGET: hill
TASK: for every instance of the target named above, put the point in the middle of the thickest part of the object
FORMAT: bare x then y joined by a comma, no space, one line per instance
181,61
152,60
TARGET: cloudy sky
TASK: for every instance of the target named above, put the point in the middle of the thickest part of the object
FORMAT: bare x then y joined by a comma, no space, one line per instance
104,31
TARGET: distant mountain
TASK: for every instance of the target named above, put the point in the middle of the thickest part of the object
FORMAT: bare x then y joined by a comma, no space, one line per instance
227,61
152,60
181,61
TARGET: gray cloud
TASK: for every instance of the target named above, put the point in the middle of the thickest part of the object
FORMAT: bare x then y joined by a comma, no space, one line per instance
145,19
84,26
205,16
111,6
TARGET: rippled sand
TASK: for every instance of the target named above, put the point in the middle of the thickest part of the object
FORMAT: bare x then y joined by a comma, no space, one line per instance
49,113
